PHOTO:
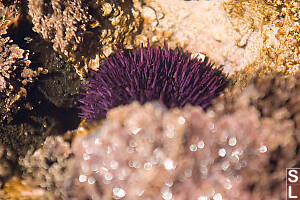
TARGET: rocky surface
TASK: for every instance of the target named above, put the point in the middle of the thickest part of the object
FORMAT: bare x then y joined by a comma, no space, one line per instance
203,26
236,34
16,71
46,166
148,152
85,31
277,23
239,149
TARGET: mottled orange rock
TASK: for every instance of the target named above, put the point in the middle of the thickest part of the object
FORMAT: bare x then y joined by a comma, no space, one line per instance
16,70
86,31
237,34
201,27
18,190
277,22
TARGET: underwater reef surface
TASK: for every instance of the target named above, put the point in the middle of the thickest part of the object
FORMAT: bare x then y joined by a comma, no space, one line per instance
16,71
223,147
86,31
237,34
39,92
236,149
177,154
277,23
209,154
50,105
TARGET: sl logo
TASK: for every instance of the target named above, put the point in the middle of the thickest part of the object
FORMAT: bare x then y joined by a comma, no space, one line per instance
292,183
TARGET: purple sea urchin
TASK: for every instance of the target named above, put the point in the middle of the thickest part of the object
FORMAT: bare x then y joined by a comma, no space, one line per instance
149,74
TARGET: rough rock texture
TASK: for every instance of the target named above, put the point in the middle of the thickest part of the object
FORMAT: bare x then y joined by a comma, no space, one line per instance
14,74
6,169
274,95
287,54
237,151
16,70
17,189
50,104
46,166
51,99
237,34
61,86
147,152
85,30
38,92
277,22
201,26
42,170
9,14
234,152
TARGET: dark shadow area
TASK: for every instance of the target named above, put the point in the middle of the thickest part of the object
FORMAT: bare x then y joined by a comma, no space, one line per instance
50,107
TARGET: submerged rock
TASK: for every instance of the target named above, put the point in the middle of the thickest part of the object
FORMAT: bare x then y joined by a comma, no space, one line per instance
148,152
85,31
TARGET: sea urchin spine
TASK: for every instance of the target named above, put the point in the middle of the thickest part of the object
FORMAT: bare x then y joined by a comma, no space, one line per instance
149,74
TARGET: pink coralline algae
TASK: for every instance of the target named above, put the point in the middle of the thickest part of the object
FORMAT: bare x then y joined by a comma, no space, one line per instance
148,74
149,152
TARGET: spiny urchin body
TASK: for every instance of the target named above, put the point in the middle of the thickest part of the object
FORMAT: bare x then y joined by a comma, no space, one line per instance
150,74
